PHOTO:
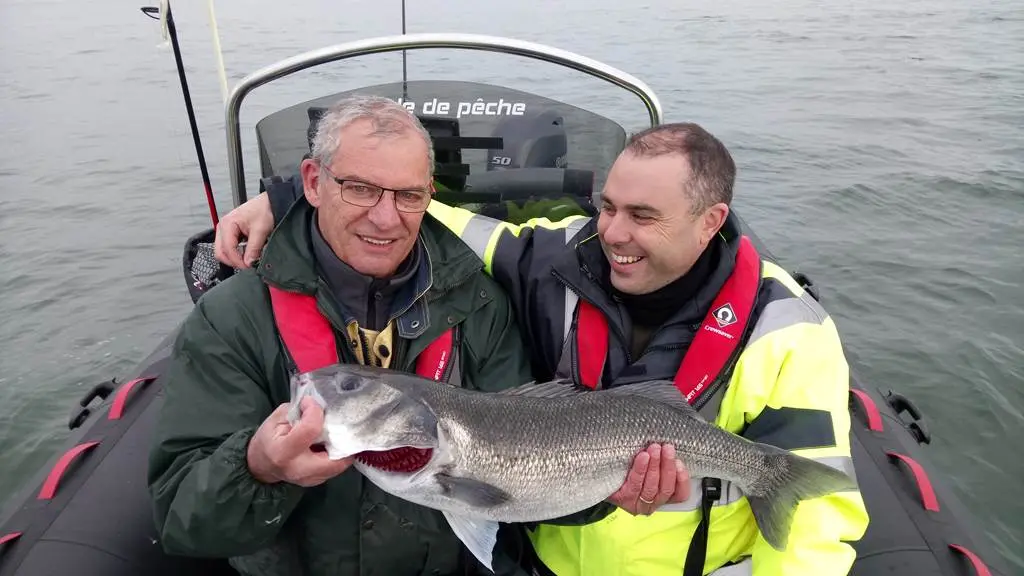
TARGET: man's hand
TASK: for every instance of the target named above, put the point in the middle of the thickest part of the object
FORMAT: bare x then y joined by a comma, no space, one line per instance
254,220
280,452
655,479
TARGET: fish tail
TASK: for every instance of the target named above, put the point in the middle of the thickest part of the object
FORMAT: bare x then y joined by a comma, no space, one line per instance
792,478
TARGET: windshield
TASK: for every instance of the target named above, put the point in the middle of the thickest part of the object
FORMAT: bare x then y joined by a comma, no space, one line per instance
500,151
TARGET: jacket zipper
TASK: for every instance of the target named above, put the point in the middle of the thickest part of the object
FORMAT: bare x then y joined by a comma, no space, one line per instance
456,341
367,357
730,364
720,380
430,284
573,363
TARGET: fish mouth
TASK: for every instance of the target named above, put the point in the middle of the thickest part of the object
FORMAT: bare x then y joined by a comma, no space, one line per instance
404,459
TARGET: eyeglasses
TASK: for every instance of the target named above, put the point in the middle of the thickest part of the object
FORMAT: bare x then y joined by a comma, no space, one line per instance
359,193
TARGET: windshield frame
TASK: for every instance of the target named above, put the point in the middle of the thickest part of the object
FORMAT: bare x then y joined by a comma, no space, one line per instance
385,44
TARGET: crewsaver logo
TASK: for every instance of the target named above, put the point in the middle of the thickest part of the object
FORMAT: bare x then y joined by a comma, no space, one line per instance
724,315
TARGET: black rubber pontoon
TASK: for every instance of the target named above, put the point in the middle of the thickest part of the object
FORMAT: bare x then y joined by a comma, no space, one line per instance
87,512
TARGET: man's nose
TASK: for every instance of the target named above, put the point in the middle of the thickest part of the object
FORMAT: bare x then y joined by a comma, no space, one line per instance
384,215
616,231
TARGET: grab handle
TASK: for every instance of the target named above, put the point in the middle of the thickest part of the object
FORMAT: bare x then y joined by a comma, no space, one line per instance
918,429
80,413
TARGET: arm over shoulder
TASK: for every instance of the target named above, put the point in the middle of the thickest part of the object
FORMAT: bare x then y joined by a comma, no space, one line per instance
519,258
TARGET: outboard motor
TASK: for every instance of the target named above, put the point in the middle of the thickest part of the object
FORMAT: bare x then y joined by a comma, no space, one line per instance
532,141
527,177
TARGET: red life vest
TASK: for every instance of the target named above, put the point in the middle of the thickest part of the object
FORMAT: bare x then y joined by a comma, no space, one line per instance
715,343
310,341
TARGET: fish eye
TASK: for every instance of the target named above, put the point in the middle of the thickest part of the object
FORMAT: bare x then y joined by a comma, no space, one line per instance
350,383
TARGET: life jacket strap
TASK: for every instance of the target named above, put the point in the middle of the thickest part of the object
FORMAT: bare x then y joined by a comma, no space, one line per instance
310,343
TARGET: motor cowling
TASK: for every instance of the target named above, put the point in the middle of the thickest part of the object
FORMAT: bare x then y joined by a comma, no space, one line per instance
536,140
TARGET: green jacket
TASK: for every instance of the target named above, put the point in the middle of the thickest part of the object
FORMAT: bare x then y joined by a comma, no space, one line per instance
227,374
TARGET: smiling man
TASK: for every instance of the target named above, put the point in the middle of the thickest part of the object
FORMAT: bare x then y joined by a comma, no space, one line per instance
663,285
355,273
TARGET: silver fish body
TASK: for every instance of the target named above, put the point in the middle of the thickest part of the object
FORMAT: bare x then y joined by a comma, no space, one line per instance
539,451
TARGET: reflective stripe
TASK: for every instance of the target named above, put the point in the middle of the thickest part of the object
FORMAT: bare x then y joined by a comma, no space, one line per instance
455,219
842,463
574,228
478,233
814,305
784,313
744,568
571,299
730,493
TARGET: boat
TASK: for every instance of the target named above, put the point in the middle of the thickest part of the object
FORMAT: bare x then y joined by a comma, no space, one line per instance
502,151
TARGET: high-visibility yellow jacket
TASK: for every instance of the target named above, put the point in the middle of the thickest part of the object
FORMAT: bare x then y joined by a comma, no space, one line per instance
788,387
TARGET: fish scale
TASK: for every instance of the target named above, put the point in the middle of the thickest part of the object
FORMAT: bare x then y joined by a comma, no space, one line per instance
576,436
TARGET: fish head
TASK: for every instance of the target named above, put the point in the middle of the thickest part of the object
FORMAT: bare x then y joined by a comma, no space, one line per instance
369,415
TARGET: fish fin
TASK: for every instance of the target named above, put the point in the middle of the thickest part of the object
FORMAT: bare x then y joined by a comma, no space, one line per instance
477,534
664,391
553,389
797,479
302,385
472,492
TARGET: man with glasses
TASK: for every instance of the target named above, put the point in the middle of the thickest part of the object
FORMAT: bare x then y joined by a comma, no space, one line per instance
354,273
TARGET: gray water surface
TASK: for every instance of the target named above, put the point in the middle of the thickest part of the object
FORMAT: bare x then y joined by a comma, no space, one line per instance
879,148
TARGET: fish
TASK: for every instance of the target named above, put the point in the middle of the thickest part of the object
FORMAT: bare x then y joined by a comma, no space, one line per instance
538,451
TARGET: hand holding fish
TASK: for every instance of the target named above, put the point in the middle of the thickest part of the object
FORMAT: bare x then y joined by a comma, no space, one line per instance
656,477
281,452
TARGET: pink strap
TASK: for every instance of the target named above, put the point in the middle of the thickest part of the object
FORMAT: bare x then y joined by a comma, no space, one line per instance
53,478
928,498
979,567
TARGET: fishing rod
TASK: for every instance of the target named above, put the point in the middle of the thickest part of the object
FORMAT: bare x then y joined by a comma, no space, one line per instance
405,77
154,13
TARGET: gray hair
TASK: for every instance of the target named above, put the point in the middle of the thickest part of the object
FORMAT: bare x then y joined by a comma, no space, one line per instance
389,118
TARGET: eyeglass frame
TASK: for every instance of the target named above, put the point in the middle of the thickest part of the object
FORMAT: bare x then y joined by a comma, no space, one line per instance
341,192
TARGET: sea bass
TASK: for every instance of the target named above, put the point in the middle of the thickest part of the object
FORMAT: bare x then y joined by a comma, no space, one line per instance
539,451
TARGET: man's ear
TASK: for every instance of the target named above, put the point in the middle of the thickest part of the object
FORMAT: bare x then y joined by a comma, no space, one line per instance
310,172
711,222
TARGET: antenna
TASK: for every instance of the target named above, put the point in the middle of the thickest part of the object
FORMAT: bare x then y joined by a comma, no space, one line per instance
405,77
